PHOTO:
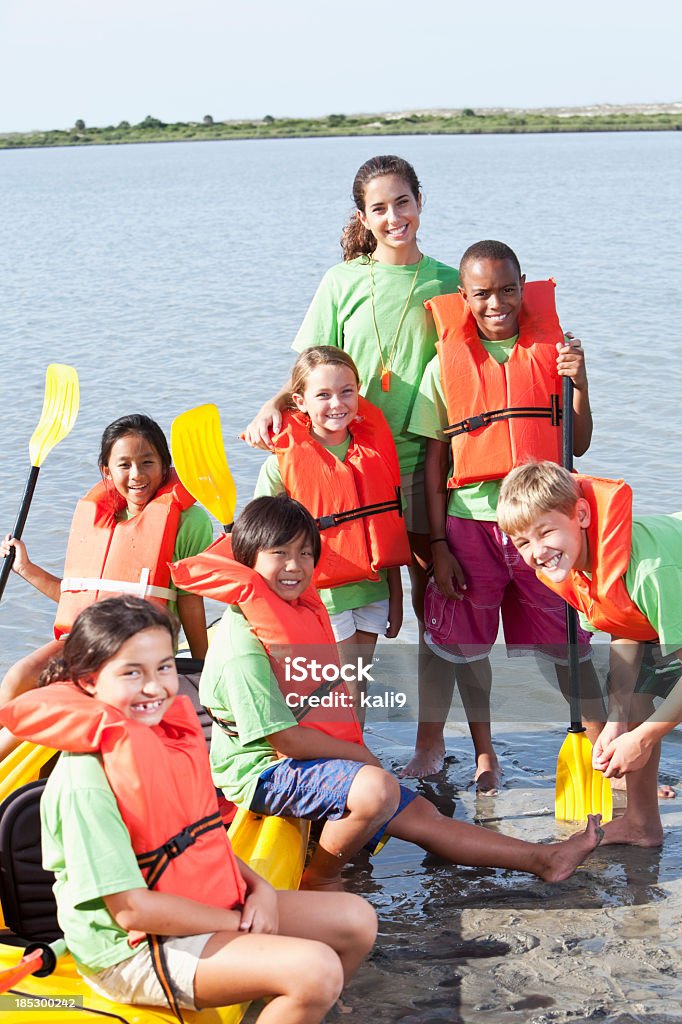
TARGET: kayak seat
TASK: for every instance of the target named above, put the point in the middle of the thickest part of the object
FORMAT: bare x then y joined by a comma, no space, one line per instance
26,894
189,673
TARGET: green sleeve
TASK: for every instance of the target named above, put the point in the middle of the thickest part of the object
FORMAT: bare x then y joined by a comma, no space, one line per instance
195,533
429,412
237,682
321,324
654,575
84,835
269,479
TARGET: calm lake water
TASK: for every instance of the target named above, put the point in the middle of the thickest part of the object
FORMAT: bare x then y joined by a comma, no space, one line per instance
172,275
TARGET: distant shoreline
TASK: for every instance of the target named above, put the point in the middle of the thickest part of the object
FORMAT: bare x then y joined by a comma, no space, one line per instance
461,121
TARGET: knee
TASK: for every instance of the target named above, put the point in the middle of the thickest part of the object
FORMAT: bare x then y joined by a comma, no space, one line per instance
364,924
374,794
321,983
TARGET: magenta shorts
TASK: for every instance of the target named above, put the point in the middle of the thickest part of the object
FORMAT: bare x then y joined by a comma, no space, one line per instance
498,580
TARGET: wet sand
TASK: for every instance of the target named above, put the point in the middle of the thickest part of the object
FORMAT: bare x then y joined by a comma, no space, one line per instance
481,946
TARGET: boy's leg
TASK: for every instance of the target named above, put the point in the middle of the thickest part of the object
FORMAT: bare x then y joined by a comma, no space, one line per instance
461,843
640,825
435,687
474,682
373,797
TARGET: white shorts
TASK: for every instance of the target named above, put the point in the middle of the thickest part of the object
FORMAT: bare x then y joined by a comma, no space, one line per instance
134,980
372,618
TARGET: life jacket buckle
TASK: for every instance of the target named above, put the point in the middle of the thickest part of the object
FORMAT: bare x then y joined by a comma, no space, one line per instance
474,422
177,844
326,522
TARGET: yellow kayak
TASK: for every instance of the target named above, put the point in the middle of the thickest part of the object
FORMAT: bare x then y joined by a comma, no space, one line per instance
274,847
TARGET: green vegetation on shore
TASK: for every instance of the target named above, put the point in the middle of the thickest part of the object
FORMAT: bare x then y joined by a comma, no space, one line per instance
456,122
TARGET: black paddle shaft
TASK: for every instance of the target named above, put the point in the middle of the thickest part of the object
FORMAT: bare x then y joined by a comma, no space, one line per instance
8,562
571,614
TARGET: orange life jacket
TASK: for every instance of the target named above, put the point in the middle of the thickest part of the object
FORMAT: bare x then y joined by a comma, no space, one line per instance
287,630
603,598
106,556
161,779
356,503
500,415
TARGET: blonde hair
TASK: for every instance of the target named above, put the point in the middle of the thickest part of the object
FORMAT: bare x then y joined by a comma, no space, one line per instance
532,489
309,360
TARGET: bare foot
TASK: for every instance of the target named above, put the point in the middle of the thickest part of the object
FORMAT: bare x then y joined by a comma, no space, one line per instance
488,777
666,792
563,858
633,832
318,883
425,761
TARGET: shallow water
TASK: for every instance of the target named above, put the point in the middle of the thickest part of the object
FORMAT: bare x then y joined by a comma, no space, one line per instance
172,275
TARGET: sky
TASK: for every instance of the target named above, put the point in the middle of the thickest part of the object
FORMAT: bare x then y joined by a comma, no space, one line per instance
103,61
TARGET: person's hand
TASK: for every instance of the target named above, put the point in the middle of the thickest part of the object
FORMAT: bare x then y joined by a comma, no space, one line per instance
395,614
447,572
258,433
571,361
21,560
261,911
609,733
627,753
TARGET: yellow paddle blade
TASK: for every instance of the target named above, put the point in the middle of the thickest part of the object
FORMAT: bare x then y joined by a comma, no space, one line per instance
60,408
580,788
200,461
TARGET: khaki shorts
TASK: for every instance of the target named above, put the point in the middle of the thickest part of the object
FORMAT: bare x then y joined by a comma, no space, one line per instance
134,980
416,518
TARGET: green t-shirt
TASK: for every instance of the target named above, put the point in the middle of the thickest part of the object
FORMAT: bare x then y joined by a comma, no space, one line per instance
654,575
341,315
87,845
336,599
238,686
430,417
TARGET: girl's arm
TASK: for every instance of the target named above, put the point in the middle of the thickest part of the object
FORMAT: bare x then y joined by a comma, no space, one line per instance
395,601
445,565
307,744
192,616
42,580
267,420
162,913
571,363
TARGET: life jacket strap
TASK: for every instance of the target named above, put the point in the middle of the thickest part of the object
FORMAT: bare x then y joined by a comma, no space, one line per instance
484,419
163,975
156,861
229,728
362,512
142,588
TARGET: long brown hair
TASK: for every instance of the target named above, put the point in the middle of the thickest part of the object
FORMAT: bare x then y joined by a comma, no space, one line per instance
356,240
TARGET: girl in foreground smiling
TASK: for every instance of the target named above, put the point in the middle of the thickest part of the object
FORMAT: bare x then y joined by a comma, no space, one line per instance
134,777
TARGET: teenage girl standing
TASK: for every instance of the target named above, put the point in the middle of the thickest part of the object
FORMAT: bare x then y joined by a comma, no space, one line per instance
372,306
